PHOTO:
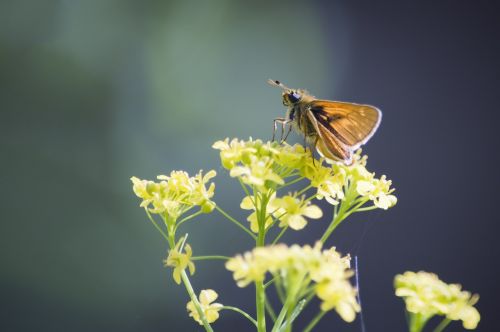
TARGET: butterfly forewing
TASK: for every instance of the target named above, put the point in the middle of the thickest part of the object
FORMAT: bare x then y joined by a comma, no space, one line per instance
327,144
352,124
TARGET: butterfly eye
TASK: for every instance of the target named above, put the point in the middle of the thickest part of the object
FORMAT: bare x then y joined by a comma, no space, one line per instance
294,97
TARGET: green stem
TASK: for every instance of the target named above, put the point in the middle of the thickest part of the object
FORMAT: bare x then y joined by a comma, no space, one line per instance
315,321
245,189
280,235
342,212
155,224
261,219
226,307
308,290
218,257
279,290
291,182
368,208
191,216
302,304
288,322
260,300
279,321
281,317
295,313
171,240
292,173
270,310
304,190
310,198
197,305
235,222
337,219
267,284
417,322
293,290
357,205
260,292
309,298
444,323
257,207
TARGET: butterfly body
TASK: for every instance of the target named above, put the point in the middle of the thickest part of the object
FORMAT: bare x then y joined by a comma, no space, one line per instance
335,128
297,116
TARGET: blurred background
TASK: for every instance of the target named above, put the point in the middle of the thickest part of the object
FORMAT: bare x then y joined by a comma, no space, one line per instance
94,92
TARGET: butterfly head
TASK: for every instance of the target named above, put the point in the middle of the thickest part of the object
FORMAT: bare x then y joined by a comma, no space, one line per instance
290,96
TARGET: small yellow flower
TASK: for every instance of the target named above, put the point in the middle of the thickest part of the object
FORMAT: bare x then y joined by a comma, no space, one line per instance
292,210
202,195
292,156
378,190
364,187
329,184
232,153
180,261
144,189
210,310
338,294
424,293
245,269
257,173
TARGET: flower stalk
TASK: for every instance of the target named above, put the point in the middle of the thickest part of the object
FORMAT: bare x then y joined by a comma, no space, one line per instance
265,170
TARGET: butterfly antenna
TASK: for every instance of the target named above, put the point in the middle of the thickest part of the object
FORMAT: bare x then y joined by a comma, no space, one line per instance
278,84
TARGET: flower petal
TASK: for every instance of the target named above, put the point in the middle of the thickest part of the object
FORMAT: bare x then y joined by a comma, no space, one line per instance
207,296
312,211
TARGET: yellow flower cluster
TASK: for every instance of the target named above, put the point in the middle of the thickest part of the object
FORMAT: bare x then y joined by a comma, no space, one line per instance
176,193
326,268
267,165
210,310
424,293
259,164
333,182
180,261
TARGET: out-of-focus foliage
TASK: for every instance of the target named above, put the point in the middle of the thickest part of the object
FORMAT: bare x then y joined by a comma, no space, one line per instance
91,92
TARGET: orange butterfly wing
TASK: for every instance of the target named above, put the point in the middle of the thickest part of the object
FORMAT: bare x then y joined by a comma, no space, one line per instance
352,124
327,144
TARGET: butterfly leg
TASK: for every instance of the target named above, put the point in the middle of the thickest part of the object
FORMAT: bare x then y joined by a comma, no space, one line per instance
310,146
283,124
282,121
312,149
288,132
275,126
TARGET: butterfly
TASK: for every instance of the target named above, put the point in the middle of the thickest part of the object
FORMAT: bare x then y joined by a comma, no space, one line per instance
335,128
